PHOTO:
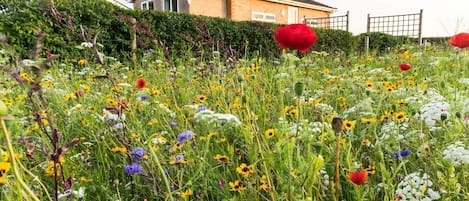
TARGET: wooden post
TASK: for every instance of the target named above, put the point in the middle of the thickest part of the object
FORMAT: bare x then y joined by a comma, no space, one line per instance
134,41
367,38
348,21
420,26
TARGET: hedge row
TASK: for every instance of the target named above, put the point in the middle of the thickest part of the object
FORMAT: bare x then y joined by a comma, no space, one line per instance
176,34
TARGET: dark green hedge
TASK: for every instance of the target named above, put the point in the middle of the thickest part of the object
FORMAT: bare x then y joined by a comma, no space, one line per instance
177,34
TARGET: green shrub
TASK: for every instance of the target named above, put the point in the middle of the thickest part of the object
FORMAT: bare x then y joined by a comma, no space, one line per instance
178,35
381,42
335,41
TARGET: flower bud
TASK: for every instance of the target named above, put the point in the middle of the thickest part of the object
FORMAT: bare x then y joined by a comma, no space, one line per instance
299,87
3,109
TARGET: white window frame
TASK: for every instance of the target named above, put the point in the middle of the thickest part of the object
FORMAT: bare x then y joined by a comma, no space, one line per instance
146,3
311,22
264,17
171,6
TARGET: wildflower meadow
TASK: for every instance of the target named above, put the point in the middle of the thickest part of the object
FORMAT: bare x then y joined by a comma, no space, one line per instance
306,125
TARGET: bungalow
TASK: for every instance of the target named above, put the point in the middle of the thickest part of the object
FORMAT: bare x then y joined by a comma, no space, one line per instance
275,11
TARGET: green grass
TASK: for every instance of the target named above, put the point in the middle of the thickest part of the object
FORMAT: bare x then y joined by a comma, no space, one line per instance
252,116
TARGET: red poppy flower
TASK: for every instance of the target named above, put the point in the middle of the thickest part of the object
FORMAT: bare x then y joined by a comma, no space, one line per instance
460,40
358,177
140,83
295,36
404,66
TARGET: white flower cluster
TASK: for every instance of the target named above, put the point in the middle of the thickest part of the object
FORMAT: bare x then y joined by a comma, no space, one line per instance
325,178
416,186
305,129
432,113
457,154
211,117
364,108
391,129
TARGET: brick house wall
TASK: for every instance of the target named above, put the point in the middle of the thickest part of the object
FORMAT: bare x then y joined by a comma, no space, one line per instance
242,10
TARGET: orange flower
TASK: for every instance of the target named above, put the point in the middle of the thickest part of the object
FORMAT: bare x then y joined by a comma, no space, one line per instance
140,83
295,36
358,177
460,40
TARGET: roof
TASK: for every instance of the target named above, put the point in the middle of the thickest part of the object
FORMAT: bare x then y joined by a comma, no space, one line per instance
314,3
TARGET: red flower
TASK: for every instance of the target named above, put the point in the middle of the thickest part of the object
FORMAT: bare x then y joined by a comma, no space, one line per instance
404,66
460,40
140,83
358,177
48,53
296,36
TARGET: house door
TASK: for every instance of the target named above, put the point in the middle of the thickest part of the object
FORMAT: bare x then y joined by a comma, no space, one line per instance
292,15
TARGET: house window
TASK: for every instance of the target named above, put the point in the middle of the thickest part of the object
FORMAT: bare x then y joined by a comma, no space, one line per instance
263,17
147,5
170,5
311,22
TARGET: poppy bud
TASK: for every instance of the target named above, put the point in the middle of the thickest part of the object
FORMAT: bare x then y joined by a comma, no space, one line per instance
299,87
337,125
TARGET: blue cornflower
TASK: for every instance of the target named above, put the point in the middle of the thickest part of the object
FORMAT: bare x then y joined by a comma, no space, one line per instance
397,155
185,136
142,98
134,168
138,153
405,152
201,108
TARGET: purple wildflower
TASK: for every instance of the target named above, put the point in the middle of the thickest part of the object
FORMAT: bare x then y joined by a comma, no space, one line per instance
201,108
405,152
185,136
397,155
132,169
138,153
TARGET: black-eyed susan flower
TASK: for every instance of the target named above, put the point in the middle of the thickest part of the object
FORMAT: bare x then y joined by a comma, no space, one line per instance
368,120
269,133
371,170
222,158
110,101
399,117
348,125
121,150
385,116
366,142
244,169
400,102
82,62
237,186
368,84
263,184
201,98
24,76
186,194
4,168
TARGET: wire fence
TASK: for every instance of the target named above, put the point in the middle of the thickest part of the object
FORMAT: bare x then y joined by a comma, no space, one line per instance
409,25
335,22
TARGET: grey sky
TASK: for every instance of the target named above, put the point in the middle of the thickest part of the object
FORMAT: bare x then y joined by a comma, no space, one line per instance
440,18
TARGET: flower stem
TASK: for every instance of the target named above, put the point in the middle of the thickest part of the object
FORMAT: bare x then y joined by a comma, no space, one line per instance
14,161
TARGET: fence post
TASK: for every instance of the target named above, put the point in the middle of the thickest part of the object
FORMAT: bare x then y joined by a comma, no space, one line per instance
348,22
420,26
367,38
